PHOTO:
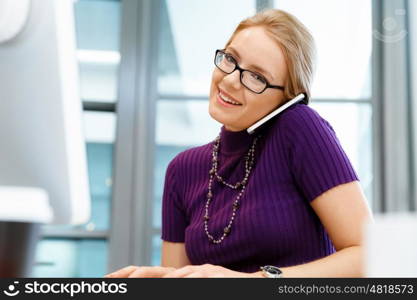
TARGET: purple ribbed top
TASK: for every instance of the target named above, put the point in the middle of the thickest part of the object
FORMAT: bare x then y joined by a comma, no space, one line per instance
297,159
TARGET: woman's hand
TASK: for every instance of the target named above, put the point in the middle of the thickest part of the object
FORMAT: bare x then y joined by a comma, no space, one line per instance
200,271
206,271
140,272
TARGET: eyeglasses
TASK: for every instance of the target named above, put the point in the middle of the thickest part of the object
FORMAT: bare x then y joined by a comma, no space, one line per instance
253,81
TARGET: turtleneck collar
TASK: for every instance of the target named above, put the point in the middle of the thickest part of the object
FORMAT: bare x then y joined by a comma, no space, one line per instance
234,142
237,142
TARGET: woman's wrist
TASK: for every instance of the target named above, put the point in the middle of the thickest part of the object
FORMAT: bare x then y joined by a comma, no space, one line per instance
258,274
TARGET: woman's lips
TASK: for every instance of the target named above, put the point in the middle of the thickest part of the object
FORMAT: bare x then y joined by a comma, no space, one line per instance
224,103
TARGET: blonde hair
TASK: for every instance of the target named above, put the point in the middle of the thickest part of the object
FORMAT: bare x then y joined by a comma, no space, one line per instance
296,43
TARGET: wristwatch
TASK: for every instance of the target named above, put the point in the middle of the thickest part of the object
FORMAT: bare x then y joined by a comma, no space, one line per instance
271,272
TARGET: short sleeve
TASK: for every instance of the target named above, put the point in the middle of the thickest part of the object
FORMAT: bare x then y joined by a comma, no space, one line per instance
174,219
317,159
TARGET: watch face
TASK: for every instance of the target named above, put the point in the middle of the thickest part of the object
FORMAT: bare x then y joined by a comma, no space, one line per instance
273,270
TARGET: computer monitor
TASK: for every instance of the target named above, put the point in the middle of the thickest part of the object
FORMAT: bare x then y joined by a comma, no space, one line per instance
41,137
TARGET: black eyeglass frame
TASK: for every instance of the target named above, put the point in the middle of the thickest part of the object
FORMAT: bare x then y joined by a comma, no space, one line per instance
241,70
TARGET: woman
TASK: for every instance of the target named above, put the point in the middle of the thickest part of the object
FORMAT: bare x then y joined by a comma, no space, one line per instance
285,196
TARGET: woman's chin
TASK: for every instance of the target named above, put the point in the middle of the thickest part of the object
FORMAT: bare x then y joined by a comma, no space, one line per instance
218,115
228,120
214,113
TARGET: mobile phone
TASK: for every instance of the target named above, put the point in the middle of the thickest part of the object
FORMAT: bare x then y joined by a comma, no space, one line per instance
269,116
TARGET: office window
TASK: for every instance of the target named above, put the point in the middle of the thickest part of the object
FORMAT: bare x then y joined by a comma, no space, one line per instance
98,34
343,35
185,58
71,258
82,251
99,131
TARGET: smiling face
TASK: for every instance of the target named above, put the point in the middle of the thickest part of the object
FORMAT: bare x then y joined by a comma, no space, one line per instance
231,103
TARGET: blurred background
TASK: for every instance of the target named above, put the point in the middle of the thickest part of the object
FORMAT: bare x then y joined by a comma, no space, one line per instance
145,69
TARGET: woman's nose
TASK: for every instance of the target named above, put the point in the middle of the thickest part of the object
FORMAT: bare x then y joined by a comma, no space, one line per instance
233,80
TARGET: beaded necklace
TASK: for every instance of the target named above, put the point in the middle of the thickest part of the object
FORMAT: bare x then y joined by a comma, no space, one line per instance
240,185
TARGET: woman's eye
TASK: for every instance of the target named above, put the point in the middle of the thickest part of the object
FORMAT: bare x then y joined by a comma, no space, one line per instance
258,77
230,58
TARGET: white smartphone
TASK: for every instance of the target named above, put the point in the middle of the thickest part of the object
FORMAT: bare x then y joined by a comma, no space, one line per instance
269,116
